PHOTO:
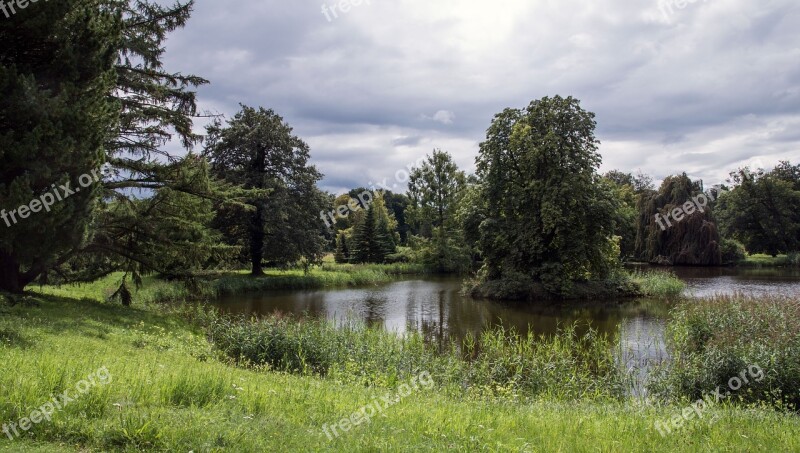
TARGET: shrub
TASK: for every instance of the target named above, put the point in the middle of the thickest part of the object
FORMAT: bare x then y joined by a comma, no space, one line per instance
733,252
713,340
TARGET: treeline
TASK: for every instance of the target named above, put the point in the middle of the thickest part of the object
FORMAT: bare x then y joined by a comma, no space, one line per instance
86,90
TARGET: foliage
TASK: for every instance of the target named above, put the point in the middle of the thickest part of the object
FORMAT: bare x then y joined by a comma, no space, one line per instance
733,252
56,114
762,211
373,240
279,224
713,340
547,216
342,252
663,285
497,364
693,241
622,188
435,189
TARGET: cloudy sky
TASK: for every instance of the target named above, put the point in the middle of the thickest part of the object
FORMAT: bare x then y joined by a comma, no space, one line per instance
699,86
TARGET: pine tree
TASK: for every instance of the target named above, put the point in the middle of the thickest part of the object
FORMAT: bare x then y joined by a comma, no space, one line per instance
342,254
372,239
56,113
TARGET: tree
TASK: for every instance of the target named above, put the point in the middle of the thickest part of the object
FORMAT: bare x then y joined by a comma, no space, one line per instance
434,190
763,210
623,188
694,240
257,150
342,254
156,106
548,220
372,240
56,113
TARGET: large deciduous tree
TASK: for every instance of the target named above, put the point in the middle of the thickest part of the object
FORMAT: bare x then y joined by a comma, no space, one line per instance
763,210
547,219
258,150
56,114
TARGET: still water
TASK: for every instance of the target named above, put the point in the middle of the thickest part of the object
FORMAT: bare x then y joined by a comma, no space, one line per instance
434,307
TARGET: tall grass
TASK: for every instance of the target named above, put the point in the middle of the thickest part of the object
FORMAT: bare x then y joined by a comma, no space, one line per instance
663,285
713,340
759,261
499,363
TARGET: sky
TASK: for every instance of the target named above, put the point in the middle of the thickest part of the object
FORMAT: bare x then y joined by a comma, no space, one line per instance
702,86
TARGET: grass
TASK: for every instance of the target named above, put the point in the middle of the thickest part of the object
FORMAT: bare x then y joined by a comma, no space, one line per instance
172,391
760,260
663,285
714,340
154,290
499,363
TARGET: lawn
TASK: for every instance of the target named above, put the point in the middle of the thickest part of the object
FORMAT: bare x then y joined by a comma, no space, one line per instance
170,391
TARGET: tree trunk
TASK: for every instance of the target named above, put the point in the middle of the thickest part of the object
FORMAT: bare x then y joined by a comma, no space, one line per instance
10,277
257,241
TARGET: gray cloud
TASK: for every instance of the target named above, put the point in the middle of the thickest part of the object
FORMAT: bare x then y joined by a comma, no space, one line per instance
712,86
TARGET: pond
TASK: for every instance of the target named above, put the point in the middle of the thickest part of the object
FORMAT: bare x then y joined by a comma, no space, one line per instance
434,307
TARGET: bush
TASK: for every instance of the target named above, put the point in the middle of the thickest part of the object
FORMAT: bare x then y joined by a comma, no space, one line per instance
713,340
733,252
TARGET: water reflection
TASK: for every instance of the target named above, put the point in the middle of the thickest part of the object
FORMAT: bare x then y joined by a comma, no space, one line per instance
435,307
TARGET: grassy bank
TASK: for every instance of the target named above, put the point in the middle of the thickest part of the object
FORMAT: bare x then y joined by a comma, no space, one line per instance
791,260
713,341
657,285
212,285
274,383
170,391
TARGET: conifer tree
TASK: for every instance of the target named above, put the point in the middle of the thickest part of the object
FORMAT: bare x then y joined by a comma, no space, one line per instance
56,74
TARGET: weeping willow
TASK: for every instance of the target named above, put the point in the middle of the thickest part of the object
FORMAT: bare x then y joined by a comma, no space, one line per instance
693,241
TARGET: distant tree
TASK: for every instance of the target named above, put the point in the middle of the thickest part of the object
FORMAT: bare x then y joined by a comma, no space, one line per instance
762,210
56,114
694,240
342,254
434,190
548,219
398,204
620,178
622,187
472,211
257,150
371,242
